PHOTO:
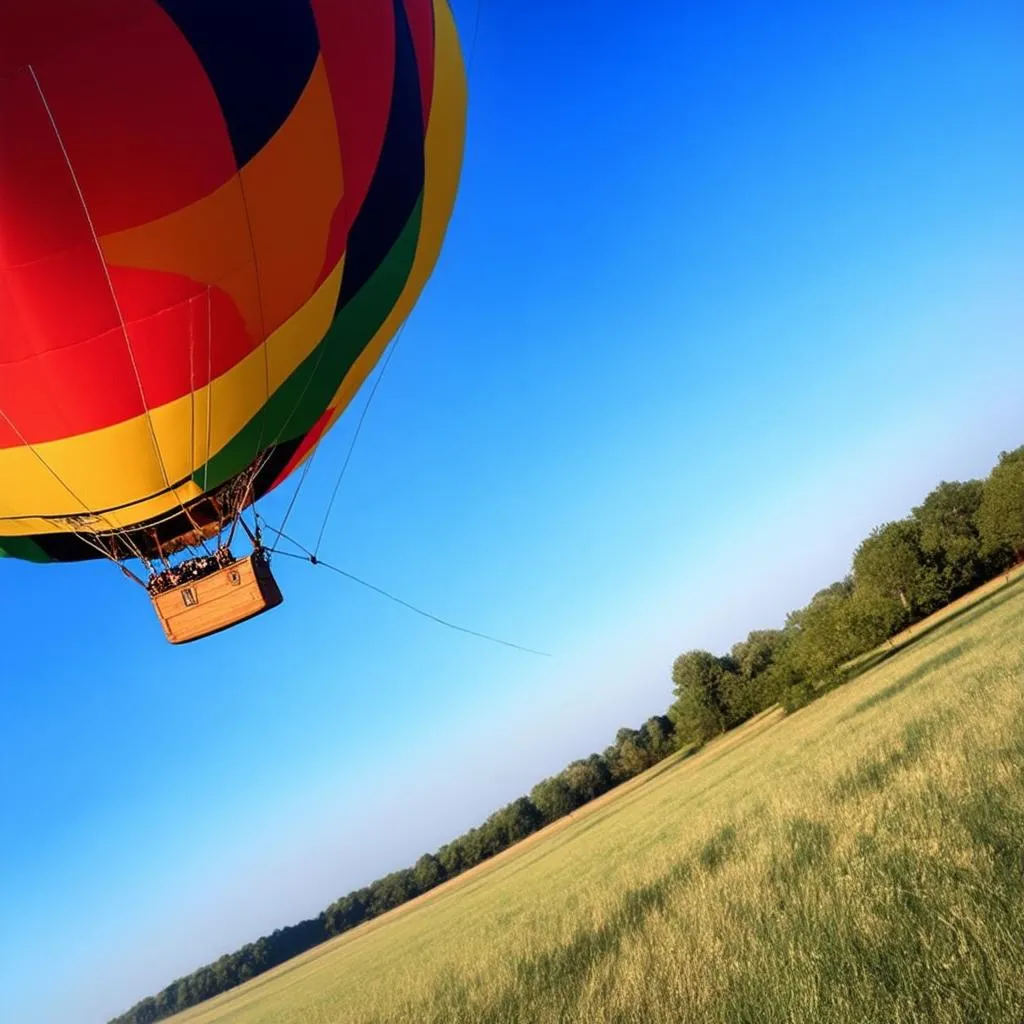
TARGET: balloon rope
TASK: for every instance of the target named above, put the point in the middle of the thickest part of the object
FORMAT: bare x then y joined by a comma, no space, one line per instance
295,493
94,543
192,411
359,426
106,273
355,438
476,32
192,389
313,560
263,321
209,390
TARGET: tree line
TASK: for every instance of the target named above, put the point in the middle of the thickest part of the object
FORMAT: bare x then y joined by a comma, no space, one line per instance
962,535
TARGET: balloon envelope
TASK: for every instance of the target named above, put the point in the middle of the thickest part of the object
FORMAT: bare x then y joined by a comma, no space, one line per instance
214,216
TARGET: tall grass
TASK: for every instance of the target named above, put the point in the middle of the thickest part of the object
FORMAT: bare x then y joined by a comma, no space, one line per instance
861,860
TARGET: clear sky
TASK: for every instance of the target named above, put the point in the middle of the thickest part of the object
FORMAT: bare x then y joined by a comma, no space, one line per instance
727,285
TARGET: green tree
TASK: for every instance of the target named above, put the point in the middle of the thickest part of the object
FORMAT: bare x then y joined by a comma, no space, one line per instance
756,659
481,843
872,619
784,679
391,891
1000,515
345,913
754,656
146,1011
824,636
428,872
453,859
518,820
587,779
632,756
890,563
700,710
949,534
204,985
167,1001
658,737
553,798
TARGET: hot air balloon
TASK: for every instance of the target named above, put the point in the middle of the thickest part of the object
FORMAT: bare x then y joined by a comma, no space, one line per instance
214,217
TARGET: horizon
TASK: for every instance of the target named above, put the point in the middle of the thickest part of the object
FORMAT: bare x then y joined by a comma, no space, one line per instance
723,291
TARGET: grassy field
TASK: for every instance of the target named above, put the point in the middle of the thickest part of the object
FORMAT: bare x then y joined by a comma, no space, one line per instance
861,860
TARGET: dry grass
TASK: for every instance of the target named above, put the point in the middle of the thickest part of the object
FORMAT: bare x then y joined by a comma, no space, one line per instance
860,860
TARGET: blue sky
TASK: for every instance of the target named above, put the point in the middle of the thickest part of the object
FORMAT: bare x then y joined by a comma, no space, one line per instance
727,285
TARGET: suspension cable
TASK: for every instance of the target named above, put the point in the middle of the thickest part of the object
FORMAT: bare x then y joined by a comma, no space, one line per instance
264,337
106,272
314,560
355,438
209,389
192,413
298,487
94,543
476,32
